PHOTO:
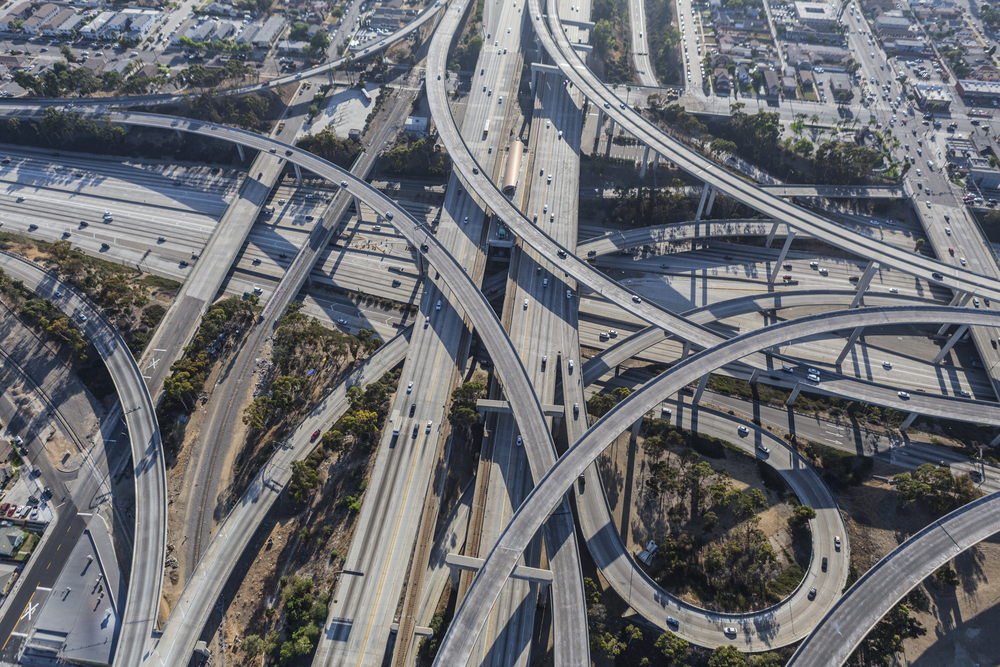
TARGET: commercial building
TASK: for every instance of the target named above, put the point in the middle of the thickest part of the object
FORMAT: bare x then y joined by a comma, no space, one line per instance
416,124
983,174
905,46
978,91
816,15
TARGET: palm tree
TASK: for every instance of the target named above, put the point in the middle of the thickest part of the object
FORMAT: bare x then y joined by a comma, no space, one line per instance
814,119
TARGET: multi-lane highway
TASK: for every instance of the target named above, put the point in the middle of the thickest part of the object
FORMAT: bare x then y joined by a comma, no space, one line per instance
146,579
470,616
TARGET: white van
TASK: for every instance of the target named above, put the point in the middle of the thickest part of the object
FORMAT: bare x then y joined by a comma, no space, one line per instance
438,307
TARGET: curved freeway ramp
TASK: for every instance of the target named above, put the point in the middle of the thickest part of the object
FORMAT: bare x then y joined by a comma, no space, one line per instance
524,401
888,582
177,640
776,626
554,41
150,542
471,615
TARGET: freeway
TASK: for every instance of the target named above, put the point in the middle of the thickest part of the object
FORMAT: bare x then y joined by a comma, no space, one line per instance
523,399
470,616
836,191
779,625
885,584
555,43
640,43
146,579
177,639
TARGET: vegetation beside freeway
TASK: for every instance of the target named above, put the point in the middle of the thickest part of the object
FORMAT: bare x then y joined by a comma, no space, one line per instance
133,302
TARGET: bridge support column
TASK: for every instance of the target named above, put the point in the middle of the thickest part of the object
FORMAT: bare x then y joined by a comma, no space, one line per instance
635,431
600,118
357,205
701,204
995,441
754,376
909,420
711,201
770,235
239,147
645,161
951,343
795,394
686,350
957,301
701,388
850,345
781,256
298,173
656,162
534,81
421,265
866,279
180,135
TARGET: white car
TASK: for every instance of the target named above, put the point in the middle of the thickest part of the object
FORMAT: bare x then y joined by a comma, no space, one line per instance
519,441
893,290
743,430
342,321
928,202
966,394
962,260
526,304
813,371
763,449
903,395
409,387
886,365
919,173
947,230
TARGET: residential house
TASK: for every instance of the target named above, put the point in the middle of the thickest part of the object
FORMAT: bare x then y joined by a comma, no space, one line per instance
789,85
12,63
148,71
115,26
292,46
387,18
72,24
985,73
269,32
723,82
143,23
721,60
772,84
11,539
892,26
18,12
808,80
51,27
248,34
92,29
202,33
220,9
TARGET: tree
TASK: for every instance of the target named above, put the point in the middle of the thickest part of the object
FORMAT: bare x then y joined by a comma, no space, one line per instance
252,645
299,31
720,147
67,53
362,424
802,515
726,656
463,413
303,479
319,42
674,649
803,147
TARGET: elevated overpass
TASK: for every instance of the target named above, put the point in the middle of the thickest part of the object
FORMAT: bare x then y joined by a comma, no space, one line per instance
547,494
854,615
150,542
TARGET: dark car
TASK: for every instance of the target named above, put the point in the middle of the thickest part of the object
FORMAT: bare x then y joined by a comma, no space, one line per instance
812,593
316,435
824,558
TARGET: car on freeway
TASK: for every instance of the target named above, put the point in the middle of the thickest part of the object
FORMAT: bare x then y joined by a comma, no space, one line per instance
928,202
612,333
341,320
962,260
729,631
937,276
636,299
764,449
672,621
903,395
836,542
409,387
314,435
58,294
893,290
812,593
825,563
951,251
947,230
787,276
813,371
975,302
743,430
886,365
519,441
966,394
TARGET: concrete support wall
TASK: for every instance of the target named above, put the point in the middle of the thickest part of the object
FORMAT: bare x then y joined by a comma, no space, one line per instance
909,420
754,376
645,161
357,205
850,345
795,394
951,343
298,173
701,387
701,204
866,279
243,157
711,202
781,255
770,235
